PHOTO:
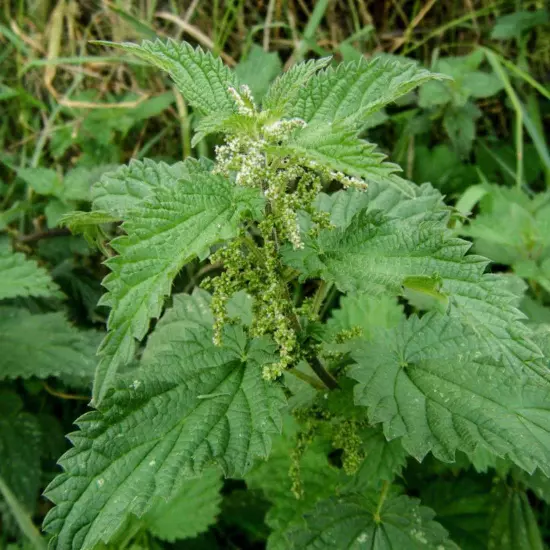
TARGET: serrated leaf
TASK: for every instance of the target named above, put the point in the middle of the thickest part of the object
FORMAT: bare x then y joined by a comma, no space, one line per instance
191,512
352,91
20,441
384,460
43,345
284,91
356,522
514,524
376,253
119,191
20,276
438,384
341,150
202,78
414,203
191,405
164,232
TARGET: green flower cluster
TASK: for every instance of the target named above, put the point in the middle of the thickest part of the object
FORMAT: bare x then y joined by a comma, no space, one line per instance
251,262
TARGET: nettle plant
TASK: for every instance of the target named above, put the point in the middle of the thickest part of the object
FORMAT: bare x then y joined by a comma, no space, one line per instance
339,310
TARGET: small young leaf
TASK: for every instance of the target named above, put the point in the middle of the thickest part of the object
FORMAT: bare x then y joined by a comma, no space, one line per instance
284,91
339,149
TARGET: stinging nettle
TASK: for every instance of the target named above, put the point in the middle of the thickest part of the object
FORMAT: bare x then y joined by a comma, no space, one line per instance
340,308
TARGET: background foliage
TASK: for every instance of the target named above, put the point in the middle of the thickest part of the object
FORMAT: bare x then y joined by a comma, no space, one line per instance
72,110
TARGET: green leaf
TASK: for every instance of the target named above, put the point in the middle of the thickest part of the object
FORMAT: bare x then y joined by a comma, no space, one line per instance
511,228
43,345
192,404
514,524
339,149
433,94
164,232
258,70
20,276
459,123
376,253
513,25
202,78
384,460
415,202
352,91
440,386
191,512
284,91
118,192
480,84
43,181
365,312
20,445
355,522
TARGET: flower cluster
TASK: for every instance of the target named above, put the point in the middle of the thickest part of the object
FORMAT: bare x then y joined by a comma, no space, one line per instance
290,186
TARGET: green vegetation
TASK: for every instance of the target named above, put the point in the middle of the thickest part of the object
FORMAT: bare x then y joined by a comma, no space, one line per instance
287,269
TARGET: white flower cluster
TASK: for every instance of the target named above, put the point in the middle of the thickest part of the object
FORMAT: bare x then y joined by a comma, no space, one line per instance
281,129
246,158
244,100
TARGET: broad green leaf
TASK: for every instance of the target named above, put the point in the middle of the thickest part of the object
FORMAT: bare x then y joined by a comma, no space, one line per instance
514,524
362,521
415,203
514,24
283,92
258,70
43,345
480,84
191,512
20,276
44,181
202,78
20,441
119,191
163,232
438,385
352,91
376,253
339,149
192,404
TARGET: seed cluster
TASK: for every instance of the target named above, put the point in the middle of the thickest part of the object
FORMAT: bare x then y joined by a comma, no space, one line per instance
289,185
